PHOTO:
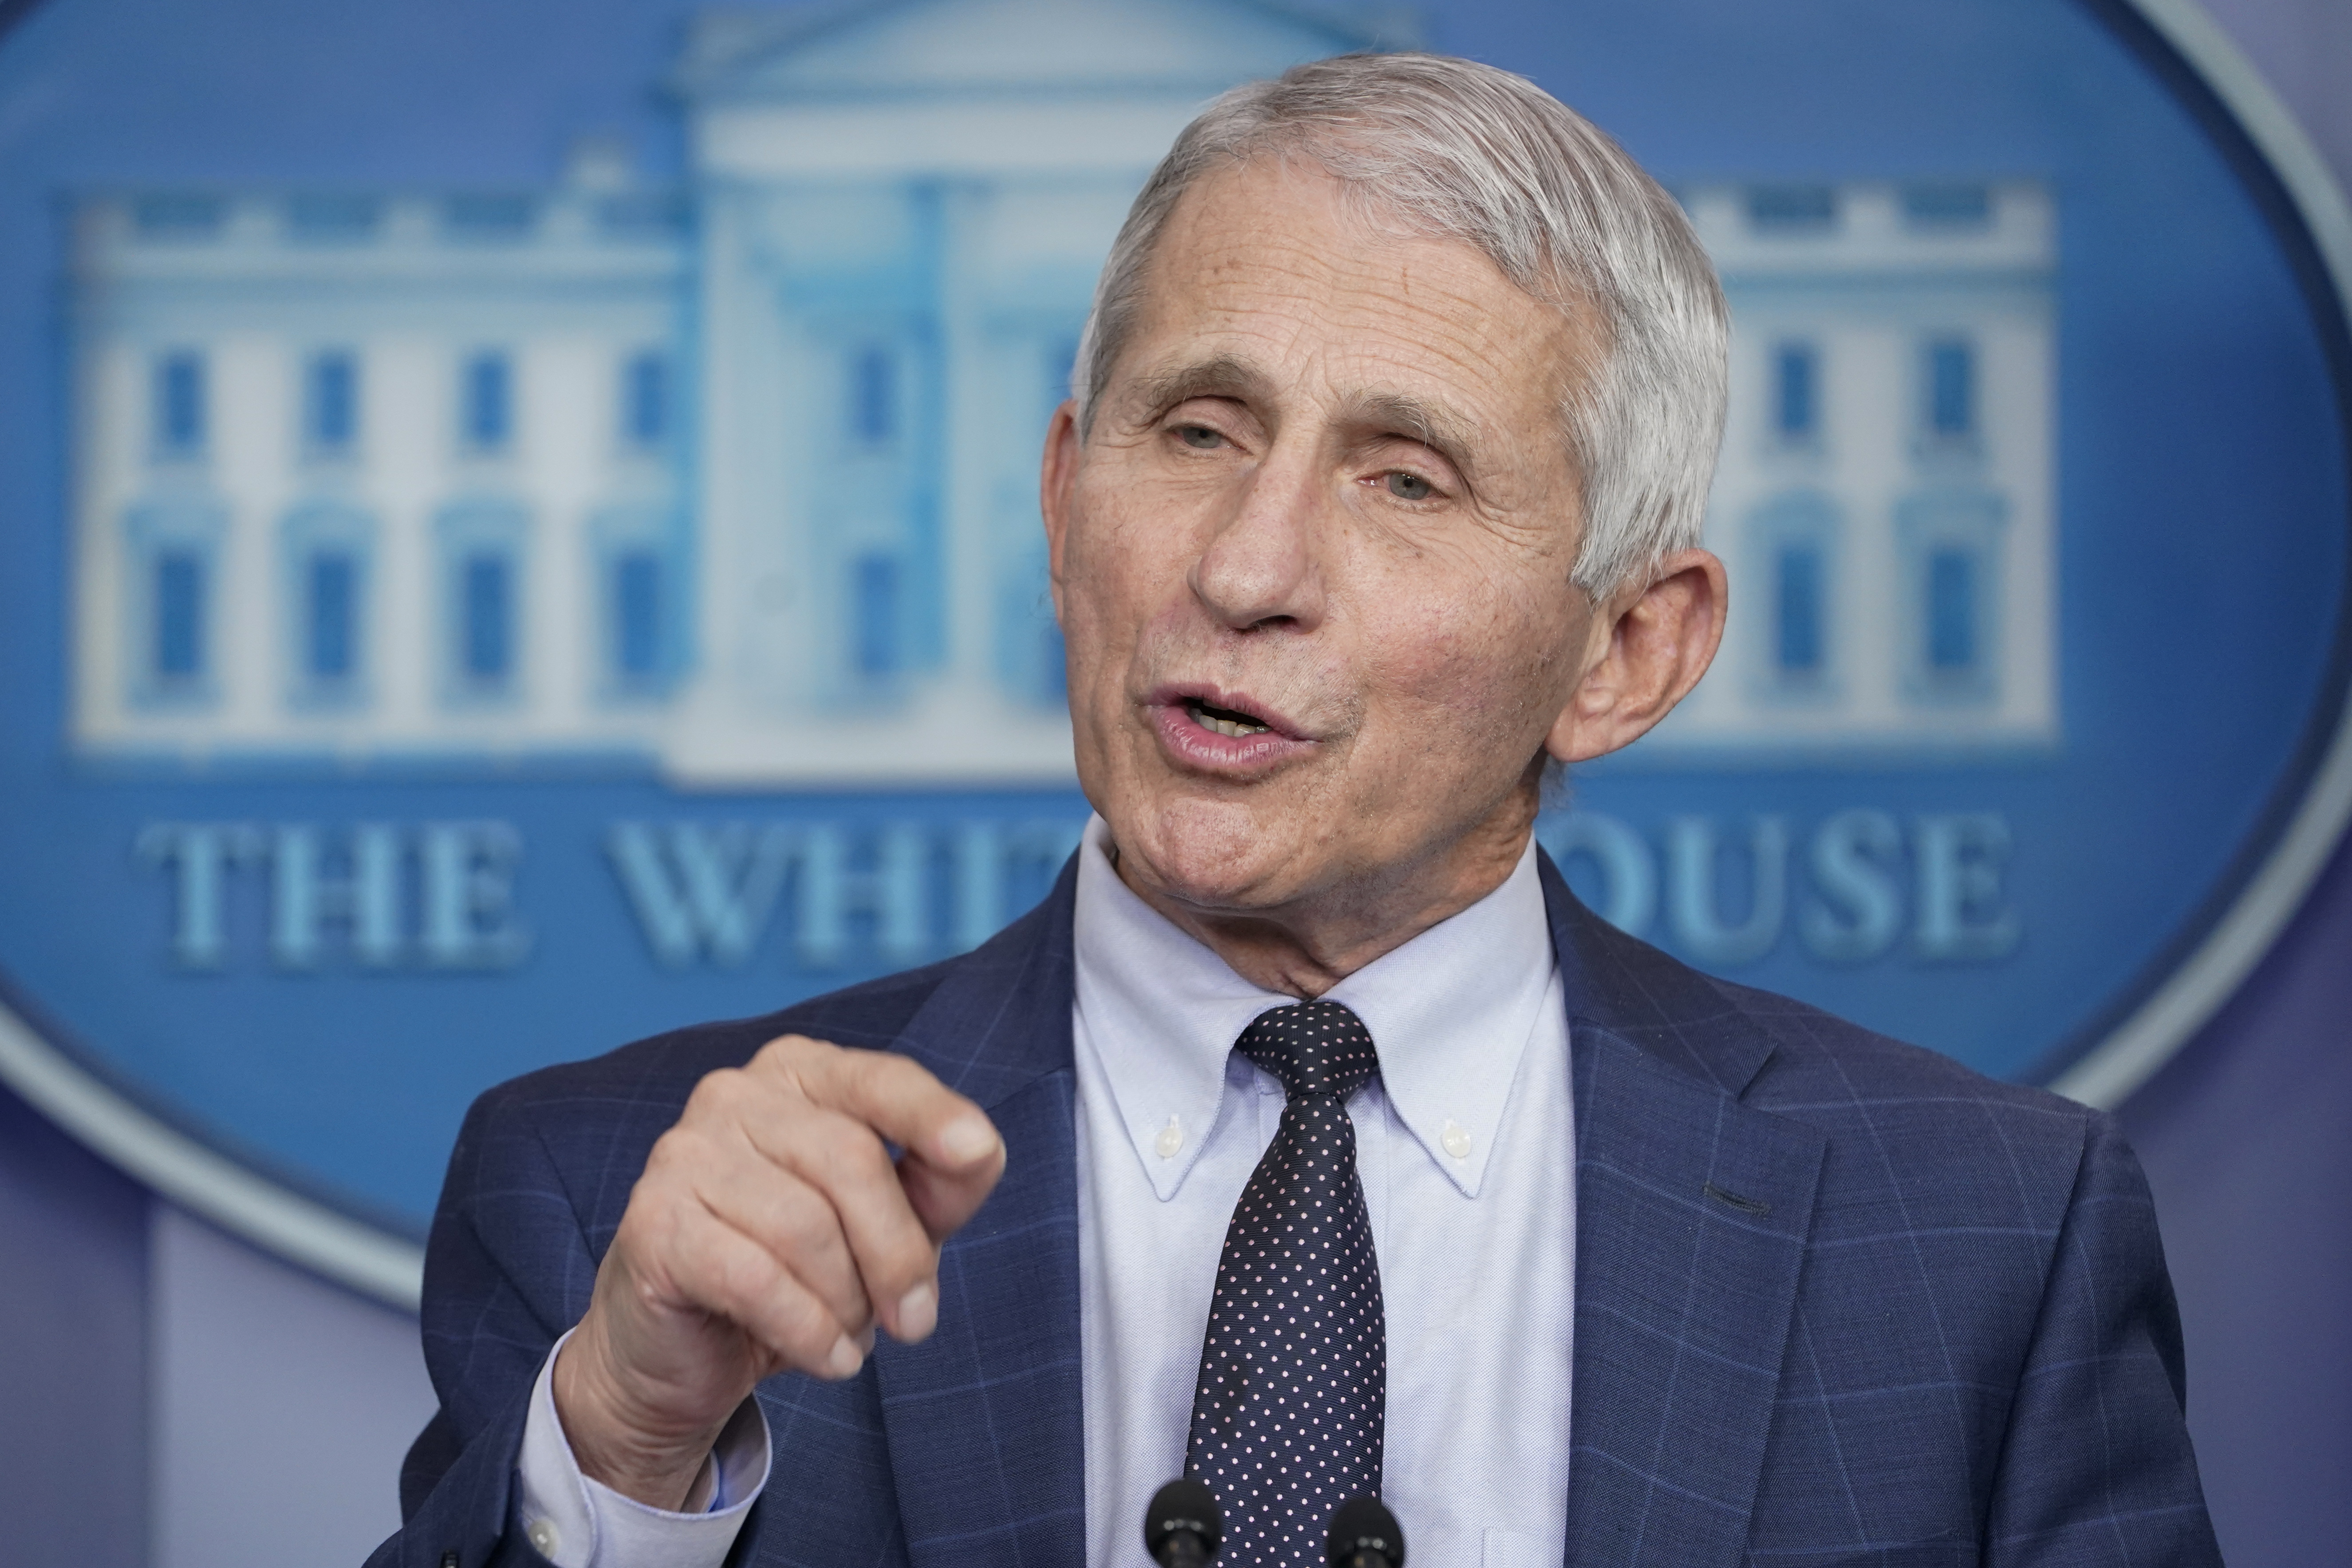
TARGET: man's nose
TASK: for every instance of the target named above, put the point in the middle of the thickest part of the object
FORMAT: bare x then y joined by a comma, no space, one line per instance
1262,566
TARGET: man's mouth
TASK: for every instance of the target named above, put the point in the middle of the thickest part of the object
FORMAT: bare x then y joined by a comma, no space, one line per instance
1225,721
1224,733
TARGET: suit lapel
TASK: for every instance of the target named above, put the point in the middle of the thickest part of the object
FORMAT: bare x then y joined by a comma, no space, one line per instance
1692,1213
983,1421
1691,1218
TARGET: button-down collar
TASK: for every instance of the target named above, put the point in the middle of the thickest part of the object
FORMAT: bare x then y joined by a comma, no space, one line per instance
1451,1012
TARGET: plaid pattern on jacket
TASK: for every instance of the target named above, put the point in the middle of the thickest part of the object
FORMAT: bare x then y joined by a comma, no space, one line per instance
1838,1300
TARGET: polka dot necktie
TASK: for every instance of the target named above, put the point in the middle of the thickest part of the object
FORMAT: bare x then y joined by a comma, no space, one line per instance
1288,1417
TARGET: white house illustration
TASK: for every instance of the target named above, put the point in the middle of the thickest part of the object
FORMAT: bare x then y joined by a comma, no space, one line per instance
739,478
1883,499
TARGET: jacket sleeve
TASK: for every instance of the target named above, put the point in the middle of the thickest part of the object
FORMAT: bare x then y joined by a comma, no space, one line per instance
2096,1467
507,1269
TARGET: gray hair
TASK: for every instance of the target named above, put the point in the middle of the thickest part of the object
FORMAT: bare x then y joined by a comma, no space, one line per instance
1461,150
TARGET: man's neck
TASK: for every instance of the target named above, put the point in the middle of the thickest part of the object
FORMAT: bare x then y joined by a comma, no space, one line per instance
1306,948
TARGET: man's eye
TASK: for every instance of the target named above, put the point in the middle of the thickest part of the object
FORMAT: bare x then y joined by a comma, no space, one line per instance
1199,436
1409,487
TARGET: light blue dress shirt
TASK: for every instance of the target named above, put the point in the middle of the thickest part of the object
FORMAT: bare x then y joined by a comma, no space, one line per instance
1466,1150
1465,1146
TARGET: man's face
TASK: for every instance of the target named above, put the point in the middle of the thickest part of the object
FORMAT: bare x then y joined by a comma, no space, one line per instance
1313,561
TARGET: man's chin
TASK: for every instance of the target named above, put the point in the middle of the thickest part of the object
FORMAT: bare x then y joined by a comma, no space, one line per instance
1211,856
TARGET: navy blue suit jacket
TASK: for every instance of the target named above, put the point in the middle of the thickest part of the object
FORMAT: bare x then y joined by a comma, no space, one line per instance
1838,1300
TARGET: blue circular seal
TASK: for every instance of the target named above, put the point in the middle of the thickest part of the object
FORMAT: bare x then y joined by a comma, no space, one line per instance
522,529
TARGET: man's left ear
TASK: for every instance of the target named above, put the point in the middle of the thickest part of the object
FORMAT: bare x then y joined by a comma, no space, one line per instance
1649,647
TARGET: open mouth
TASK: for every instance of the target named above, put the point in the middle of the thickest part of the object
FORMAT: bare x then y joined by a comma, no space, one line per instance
1225,721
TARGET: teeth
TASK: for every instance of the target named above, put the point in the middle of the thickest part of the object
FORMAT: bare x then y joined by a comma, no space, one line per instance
1236,728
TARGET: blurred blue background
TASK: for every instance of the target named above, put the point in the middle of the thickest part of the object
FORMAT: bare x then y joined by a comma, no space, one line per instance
169,1396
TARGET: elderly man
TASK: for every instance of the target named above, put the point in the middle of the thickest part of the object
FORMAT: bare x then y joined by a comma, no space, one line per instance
1311,1139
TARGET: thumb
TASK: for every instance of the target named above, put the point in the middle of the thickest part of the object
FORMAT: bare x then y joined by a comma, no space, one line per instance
945,1194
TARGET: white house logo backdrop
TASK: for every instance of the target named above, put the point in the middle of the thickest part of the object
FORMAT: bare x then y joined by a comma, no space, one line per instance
520,528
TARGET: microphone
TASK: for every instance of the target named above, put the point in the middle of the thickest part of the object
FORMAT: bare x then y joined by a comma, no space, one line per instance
1364,1535
1182,1528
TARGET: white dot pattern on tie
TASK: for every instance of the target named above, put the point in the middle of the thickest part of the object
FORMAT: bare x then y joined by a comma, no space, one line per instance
1288,1415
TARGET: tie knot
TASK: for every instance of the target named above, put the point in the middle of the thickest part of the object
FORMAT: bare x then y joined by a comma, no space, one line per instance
1320,1050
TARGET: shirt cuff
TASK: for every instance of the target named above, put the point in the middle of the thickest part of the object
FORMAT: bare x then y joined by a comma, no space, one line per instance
576,1522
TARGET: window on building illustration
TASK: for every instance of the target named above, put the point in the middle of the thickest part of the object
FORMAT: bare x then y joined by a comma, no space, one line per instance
171,589
332,217
330,401
331,584
1951,389
1947,205
178,216
875,633
181,414
179,610
1952,592
1792,545
873,396
636,612
327,548
641,215
1796,393
1949,539
1798,585
485,618
483,548
645,399
490,216
487,401
1793,209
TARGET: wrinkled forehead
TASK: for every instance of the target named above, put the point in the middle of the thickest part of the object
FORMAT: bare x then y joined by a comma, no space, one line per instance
1273,279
